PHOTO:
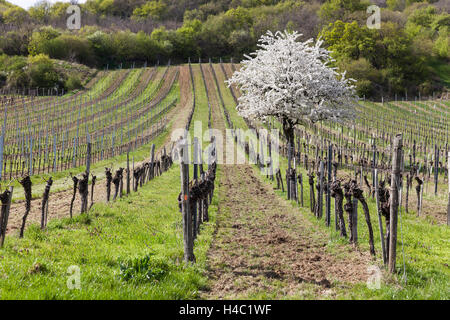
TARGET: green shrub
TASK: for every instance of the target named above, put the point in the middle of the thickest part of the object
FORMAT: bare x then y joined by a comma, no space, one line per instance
441,45
42,72
73,82
3,78
147,268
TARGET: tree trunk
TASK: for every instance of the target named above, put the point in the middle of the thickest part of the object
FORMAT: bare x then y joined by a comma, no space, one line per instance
358,194
394,200
26,184
312,201
108,183
44,205
348,207
94,178
83,189
337,193
75,186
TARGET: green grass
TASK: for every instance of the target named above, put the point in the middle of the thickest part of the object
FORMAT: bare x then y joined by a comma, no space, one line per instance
201,107
130,249
426,251
62,180
426,248
442,70
133,249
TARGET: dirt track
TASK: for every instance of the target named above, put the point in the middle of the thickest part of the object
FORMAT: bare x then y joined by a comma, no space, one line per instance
263,244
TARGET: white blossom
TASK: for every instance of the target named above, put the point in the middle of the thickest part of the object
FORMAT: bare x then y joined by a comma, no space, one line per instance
292,80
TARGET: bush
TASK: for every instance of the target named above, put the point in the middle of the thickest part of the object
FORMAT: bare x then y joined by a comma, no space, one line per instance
147,268
15,16
42,72
73,82
151,9
78,49
365,73
441,46
3,78
18,79
40,38
14,43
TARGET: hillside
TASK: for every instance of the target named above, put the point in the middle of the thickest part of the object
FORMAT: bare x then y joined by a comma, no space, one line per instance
5,5
407,54
21,73
253,243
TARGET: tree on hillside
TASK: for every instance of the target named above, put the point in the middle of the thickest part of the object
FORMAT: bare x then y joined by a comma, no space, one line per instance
291,80
152,9
346,10
41,11
15,16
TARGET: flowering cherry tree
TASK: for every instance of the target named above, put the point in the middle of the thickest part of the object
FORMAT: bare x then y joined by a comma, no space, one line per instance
292,81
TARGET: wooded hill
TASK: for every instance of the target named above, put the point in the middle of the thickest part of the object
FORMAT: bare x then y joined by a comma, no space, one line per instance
408,54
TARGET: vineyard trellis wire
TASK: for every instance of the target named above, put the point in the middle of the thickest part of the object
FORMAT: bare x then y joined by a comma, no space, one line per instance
50,148
328,152
321,147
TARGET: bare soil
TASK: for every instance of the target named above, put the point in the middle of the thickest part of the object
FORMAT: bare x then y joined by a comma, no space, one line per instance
262,244
59,202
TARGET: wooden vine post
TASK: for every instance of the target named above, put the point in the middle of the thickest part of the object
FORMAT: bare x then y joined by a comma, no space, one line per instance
312,202
328,212
436,169
321,187
2,142
380,221
128,170
152,159
26,183
84,182
94,178
336,206
448,178
108,183
1,154
194,205
288,179
300,181
5,198
187,217
44,203
394,198
354,228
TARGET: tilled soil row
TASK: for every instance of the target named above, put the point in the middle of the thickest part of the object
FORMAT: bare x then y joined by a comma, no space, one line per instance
59,202
147,75
262,244
49,106
19,104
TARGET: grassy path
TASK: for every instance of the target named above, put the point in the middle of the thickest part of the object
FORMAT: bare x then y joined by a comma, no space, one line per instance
423,248
128,249
263,247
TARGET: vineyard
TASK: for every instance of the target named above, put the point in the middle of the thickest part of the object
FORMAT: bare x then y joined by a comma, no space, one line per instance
90,178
